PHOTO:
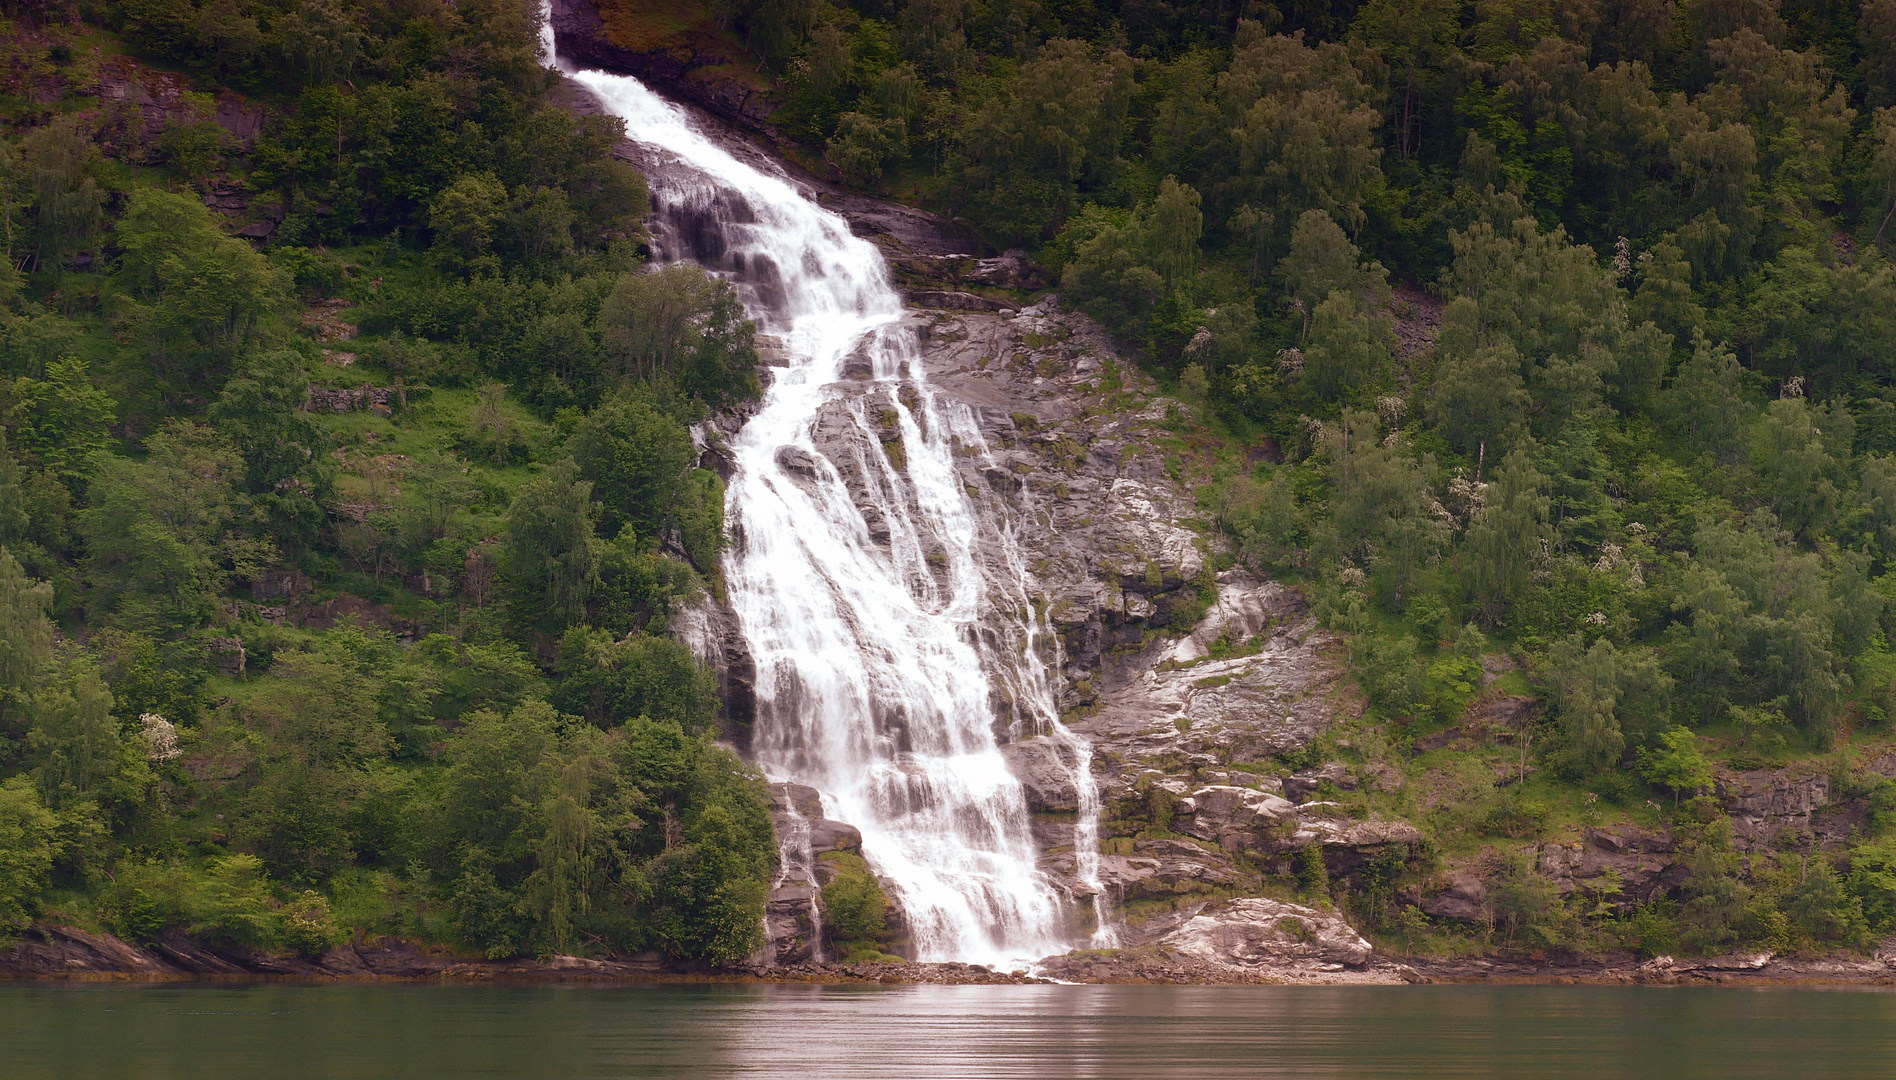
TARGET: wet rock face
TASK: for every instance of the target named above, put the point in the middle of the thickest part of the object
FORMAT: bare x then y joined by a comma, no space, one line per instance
1045,770
793,911
1150,655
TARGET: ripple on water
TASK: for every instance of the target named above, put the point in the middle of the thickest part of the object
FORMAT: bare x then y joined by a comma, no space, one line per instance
81,1031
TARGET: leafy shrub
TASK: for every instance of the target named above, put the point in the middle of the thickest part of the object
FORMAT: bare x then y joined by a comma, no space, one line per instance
307,926
855,909
1515,816
234,904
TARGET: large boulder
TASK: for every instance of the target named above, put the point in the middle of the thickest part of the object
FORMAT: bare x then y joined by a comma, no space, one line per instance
1465,899
1257,931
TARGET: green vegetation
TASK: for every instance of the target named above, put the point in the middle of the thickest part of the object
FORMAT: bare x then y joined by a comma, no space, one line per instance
1554,336
856,911
281,661
1570,326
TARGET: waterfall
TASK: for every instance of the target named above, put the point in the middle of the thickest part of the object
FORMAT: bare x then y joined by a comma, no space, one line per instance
878,635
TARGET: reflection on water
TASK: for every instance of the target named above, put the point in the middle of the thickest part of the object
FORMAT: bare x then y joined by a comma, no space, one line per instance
75,1032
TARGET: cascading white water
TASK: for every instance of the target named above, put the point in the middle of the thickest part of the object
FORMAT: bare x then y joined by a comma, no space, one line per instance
869,644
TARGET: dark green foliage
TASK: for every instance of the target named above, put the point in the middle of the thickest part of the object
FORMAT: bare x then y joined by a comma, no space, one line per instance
612,681
636,458
855,909
1639,440
174,483
679,327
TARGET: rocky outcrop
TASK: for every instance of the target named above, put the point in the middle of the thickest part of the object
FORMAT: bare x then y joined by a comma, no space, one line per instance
1258,931
47,950
1639,863
342,399
955,301
1463,898
1246,940
1624,865
1767,804
690,67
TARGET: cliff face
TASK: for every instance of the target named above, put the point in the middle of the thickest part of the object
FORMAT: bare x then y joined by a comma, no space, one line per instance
1186,682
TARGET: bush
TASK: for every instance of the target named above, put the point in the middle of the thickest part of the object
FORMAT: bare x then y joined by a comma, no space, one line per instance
1515,816
308,927
234,904
486,917
144,899
854,906
27,848
1527,904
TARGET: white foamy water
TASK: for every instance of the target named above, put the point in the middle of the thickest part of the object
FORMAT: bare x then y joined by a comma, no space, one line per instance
877,635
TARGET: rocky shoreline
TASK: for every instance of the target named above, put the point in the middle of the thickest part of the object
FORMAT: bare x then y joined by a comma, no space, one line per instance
50,952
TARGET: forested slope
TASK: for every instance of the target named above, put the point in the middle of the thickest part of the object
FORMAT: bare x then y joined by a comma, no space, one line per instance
1559,331
347,493
340,553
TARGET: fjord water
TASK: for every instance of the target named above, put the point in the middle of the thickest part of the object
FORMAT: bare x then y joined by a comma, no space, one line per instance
878,637
83,1031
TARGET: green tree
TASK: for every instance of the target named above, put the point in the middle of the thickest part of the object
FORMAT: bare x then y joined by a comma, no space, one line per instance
463,218
538,224
26,645
1347,352
684,326
1303,125
260,414
1175,224
28,845
551,552
63,419
1704,408
201,298
73,735
162,535
863,144
1381,505
1322,261
1478,398
69,197
636,458
1507,537
1600,692
319,723
1676,763
1797,450
321,38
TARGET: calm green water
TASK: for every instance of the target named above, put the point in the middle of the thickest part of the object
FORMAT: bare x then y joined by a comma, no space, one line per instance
289,1031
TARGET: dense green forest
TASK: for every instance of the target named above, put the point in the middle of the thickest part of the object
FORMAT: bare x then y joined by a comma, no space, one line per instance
1569,320
489,740
1564,329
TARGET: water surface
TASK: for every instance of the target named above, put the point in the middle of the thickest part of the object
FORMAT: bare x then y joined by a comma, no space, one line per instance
291,1031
